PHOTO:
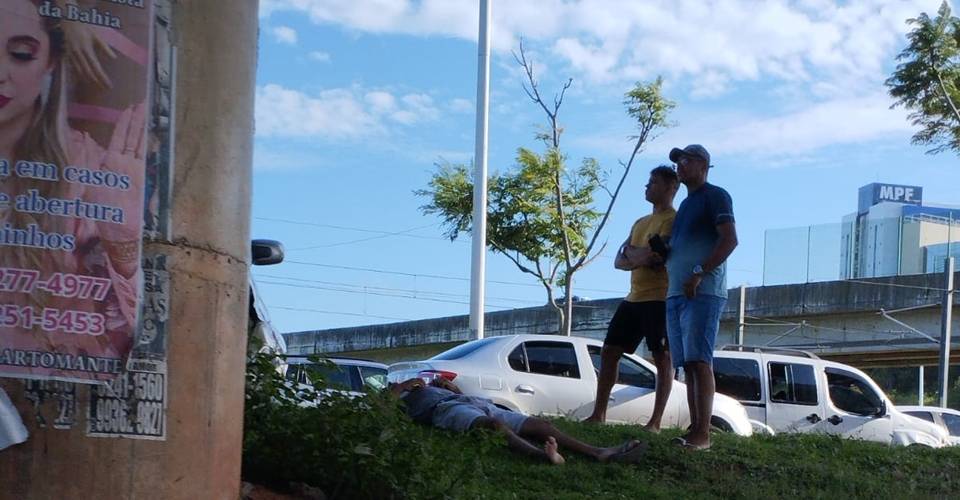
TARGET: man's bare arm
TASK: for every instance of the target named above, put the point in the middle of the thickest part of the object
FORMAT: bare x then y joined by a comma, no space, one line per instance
446,384
622,262
406,385
724,247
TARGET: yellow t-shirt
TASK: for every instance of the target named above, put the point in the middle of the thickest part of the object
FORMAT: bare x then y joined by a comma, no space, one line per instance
645,283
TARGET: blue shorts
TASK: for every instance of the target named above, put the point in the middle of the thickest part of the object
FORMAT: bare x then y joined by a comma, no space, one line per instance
459,413
692,326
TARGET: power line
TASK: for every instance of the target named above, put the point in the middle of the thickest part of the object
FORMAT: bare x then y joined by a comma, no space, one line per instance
432,276
342,313
370,238
351,228
380,294
896,285
371,287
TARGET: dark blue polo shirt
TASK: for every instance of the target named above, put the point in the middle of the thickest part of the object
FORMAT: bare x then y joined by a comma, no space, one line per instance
693,238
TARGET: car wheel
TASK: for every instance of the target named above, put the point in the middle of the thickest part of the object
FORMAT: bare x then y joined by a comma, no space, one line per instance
718,424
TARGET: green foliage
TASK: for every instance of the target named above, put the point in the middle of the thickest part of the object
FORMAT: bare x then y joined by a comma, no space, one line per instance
542,213
785,466
349,447
646,105
522,215
367,448
927,81
901,385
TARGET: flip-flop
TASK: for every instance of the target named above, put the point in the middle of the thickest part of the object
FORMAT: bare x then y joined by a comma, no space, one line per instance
679,441
626,446
630,455
695,447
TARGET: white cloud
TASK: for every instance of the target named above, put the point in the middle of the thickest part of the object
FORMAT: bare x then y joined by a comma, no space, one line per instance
607,41
789,138
319,56
344,113
381,102
460,105
421,106
285,34
820,64
335,113
844,121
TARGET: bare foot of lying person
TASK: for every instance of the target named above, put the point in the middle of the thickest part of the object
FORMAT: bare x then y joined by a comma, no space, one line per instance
550,449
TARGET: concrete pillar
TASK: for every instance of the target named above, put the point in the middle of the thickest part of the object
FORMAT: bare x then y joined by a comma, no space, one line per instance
208,258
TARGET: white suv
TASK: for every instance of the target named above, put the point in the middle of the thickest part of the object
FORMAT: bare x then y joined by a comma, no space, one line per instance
796,391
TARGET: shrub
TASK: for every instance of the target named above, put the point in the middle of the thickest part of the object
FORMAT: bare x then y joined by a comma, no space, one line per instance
349,447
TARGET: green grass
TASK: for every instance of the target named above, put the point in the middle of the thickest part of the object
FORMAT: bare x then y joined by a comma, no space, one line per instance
759,467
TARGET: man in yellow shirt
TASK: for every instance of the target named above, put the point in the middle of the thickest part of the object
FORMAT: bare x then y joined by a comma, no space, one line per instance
642,314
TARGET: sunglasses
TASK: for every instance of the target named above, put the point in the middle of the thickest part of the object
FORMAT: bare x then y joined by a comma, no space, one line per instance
685,160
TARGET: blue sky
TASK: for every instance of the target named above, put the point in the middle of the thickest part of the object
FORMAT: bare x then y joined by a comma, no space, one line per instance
357,100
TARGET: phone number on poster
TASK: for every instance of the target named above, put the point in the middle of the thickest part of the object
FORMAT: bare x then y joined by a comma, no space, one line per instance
58,284
50,319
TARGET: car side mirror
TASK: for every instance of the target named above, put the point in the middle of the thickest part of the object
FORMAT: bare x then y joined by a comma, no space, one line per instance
882,410
266,252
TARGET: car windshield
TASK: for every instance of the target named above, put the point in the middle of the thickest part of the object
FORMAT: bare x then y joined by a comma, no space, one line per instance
953,423
922,415
333,376
373,378
851,393
464,350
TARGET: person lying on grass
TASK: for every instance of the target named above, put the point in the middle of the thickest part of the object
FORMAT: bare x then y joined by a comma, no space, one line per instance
441,404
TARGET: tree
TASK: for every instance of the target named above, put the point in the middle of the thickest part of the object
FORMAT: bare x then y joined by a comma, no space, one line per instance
927,81
541,215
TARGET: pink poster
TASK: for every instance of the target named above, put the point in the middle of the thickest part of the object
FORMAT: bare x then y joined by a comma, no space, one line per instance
73,87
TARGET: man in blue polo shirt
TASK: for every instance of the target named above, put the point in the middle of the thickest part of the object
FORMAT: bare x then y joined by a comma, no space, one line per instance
703,236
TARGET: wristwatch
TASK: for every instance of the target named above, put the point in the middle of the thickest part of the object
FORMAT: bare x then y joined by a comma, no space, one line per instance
697,270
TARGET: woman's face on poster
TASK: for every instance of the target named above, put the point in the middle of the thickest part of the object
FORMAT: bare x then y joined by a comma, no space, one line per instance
24,60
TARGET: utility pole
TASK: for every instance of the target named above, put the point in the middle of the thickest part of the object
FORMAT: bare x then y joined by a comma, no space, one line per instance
946,318
920,388
478,260
743,318
207,257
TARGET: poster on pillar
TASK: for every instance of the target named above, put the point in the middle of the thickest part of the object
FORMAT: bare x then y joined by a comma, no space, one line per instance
74,81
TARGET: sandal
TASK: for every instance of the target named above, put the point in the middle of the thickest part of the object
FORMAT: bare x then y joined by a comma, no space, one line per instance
630,452
696,447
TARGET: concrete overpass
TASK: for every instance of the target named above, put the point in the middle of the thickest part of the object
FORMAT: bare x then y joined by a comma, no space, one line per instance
874,322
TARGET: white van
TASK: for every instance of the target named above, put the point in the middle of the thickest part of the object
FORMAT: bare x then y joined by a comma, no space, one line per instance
796,391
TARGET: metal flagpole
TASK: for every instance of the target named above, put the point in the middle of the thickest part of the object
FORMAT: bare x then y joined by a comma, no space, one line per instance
478,260
946,318
742,315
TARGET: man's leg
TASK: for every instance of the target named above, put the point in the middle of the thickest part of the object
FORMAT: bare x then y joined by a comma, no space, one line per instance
520,445
691,382
704,390
665,374
537,428
678,324
704,323
609,371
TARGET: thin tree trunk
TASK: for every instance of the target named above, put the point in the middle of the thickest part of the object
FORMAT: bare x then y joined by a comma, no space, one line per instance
568,307
946,96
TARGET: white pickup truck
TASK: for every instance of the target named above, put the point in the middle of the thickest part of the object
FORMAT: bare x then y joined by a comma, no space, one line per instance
796,391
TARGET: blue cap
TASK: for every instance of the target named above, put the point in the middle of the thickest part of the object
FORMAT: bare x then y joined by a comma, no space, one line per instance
693,150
